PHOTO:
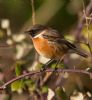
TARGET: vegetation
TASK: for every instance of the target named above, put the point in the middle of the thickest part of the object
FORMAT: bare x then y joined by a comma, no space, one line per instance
20,74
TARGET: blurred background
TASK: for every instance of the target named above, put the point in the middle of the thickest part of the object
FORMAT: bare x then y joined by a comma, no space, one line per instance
17,54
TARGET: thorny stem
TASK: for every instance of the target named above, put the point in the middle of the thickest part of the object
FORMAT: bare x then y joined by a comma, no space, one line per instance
80,26
3,87
82,21
87,24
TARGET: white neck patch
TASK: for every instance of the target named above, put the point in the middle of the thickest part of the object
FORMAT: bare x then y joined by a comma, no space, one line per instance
40,35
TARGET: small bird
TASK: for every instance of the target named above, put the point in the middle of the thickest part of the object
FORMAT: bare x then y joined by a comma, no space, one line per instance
50,43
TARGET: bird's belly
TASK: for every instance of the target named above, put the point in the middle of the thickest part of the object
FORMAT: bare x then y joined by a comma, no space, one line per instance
47,50
43,48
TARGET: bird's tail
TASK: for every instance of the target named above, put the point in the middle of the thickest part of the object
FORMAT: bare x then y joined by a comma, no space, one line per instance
80,53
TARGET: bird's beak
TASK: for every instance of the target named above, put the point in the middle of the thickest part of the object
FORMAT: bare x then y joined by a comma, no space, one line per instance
31,33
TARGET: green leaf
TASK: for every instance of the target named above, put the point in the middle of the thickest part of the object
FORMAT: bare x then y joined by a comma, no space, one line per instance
53,66
18,69
15,86
44,89
61,93
39,66
31,85
60,65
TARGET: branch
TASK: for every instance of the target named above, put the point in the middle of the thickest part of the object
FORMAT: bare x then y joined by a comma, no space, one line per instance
88,19
33,12
3,87
82,20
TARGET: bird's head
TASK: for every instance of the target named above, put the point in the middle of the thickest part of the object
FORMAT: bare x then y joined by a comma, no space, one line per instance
36,30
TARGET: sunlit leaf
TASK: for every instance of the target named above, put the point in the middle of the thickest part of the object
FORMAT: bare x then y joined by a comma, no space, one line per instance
17,85
44,89
18,69
61,93
30,84
55,65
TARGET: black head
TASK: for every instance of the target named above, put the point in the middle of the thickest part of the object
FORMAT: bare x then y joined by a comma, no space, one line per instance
36,29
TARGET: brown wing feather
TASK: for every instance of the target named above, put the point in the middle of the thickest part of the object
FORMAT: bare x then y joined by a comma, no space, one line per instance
54,36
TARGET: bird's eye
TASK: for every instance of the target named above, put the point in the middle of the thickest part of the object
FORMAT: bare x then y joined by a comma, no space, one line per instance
32,32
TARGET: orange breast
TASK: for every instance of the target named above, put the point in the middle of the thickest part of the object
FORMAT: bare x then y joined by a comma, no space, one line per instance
45,49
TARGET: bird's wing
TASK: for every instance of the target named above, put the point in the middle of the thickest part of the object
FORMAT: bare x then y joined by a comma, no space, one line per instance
64,41
52,34
71,47
57,39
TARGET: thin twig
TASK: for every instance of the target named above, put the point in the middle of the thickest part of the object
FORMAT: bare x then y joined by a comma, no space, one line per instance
82,20
34,22
87,24
3,87
33,12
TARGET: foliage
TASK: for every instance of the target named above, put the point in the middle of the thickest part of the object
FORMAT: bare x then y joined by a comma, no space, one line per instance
71,18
